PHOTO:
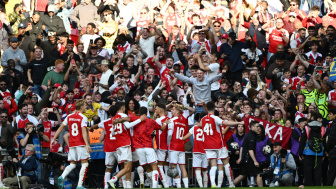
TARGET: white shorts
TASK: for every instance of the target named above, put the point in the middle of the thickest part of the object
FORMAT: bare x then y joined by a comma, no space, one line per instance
135,157
78,153
110,158
176,157
217,154
146,156
162,155
200,161
124,154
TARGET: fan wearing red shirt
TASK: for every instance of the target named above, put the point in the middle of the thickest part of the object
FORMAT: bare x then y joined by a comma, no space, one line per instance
177,128
165,69
48,124
161,142
200,160
214,144
122,141
79,147
142,139
162,59
24,117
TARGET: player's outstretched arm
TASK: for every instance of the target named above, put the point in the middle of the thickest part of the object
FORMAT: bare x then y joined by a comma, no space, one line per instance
85,137
186,136
58,132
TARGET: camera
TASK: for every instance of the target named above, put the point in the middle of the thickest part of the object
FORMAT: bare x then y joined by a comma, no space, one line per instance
267,173
95,120
38,128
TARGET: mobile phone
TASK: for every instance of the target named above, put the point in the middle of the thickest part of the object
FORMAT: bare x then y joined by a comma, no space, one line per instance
189,88
91,41
160,23
50,110
198,27
318,68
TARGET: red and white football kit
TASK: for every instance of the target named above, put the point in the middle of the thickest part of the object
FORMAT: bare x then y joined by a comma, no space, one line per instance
199,157
143,144
109,142
21,123
332,97
176,131
77,151
122,138
47,131
213,141
161,140
276,38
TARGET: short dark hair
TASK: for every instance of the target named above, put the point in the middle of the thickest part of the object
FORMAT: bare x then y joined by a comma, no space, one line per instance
253,123
70,42
210,106
162,106
92,25
142,111
279,56
22,106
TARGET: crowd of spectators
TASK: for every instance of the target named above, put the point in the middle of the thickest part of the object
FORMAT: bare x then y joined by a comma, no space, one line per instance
269,59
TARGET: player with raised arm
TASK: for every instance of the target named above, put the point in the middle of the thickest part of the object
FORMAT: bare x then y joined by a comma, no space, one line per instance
213,143
122,141
177,128
79,147
161,141
200,160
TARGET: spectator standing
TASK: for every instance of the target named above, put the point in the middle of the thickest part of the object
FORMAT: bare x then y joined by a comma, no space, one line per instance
125,18
87,37
92,64
16,17
109,29
275,71
107,78
84,13
25,42
36,68
5,31
51,22
13,52
56,75
34,27
331,148
146,41
232,51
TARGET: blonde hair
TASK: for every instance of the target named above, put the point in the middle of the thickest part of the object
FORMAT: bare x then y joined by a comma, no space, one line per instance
32,147
79,104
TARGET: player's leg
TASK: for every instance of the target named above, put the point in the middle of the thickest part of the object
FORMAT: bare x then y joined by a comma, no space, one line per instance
82,173
199,177
197,164
161,163
150,158
220,168
184,174
205,177
223,154
212,157
173,160
124,156
73,158
110,160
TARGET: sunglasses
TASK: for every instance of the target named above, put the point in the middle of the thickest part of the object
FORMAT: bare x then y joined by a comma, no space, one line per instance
106,14
292,16
216,26
2,84
4,116
34,97
292,5
143,13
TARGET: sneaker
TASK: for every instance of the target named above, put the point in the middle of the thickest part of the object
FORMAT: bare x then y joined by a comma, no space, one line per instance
111,184
80,187
60,182
213,186
60,150
232,186
142,185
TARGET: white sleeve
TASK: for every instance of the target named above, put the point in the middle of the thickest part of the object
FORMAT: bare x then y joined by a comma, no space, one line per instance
129,125
286,34
329,95
111,89
293,44
162,69
218,121
158,121
52,123
191,131
65,122
62,102
101,124
34,121
214,67
84,121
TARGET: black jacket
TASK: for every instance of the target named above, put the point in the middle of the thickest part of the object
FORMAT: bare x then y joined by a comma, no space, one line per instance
29,168
249,144
330,147
53,23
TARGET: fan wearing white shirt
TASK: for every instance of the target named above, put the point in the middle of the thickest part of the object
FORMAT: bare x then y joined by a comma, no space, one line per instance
88,37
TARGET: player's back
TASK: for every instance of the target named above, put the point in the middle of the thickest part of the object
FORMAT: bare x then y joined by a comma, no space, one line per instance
180,129
121,135
76,121
161,136
109,142
212,133
198,135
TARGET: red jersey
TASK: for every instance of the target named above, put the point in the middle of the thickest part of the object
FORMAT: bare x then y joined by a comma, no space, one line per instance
151,61
142,133
161,136
275,39
197,133
212,134
332,97
171,20
124,48
4,96
47,131
295,81
142,23
120,133
21,123
177,129
227,135
76,121
313,57
109,142
65,104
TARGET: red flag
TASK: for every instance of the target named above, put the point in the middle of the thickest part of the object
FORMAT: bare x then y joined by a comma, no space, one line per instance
276,133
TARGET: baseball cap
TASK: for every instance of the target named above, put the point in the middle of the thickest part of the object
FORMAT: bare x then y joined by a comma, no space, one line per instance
56,85
14,39
51,8
22,25
232,35
59,61
330,54
292,14
225,36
